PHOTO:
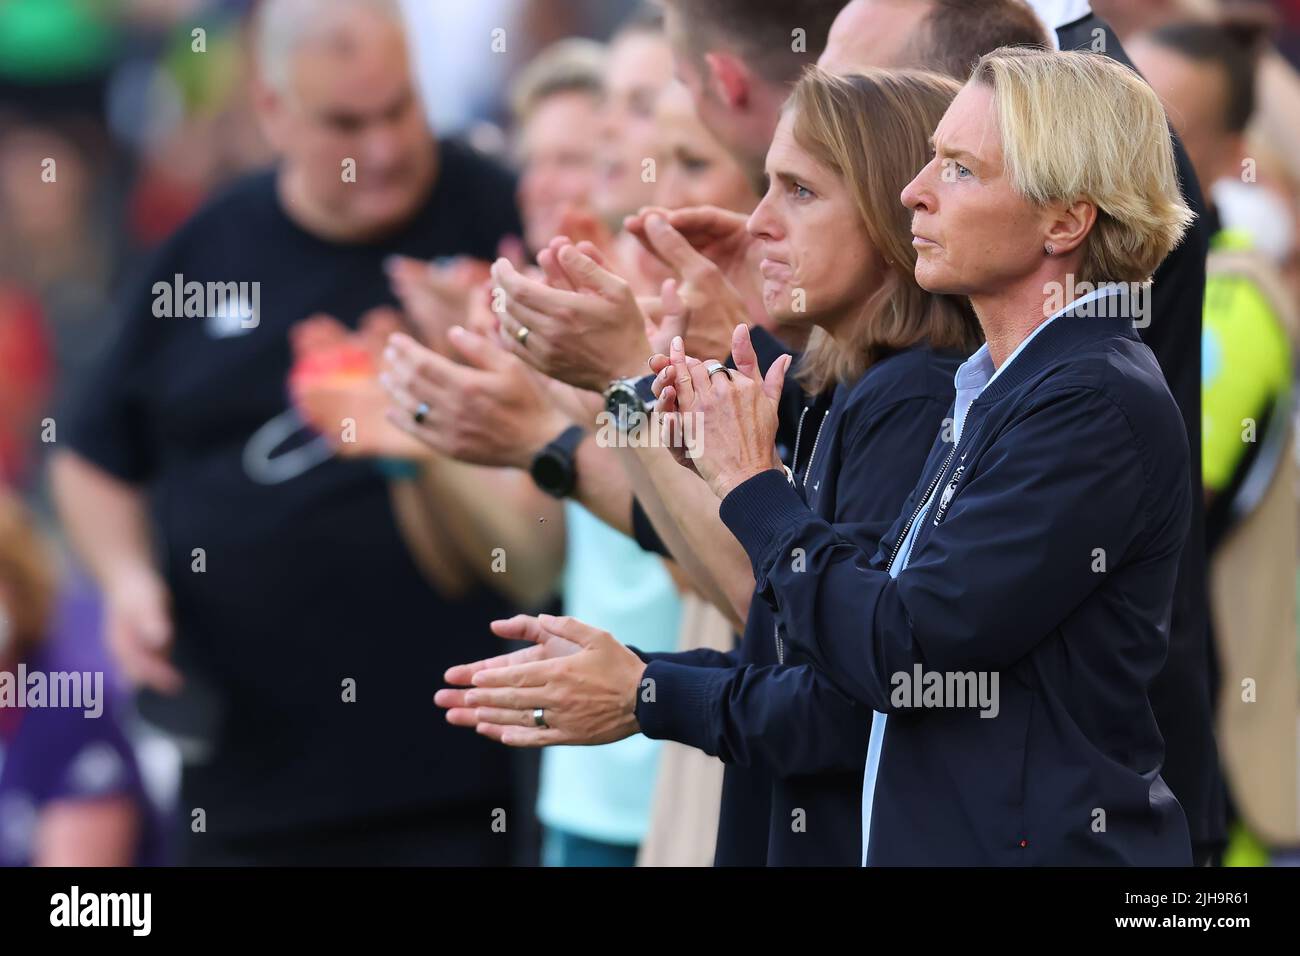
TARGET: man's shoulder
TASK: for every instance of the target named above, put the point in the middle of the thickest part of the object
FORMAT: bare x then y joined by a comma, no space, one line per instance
250,192
462,161
474,198
247,203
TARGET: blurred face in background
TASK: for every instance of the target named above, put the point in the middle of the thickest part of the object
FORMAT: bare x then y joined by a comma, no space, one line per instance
819,265
1127,17
1195,95
558,159
350,95
37,214
693,168
638,69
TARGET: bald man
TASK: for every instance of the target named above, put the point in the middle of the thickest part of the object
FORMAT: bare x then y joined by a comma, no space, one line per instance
256,585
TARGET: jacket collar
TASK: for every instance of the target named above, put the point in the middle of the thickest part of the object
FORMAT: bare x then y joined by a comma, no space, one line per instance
1107,316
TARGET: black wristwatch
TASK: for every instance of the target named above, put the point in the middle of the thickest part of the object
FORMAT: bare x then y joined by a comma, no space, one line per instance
628,396
554,468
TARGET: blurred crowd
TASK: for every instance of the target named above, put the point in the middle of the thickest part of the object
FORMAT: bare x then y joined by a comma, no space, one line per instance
135,139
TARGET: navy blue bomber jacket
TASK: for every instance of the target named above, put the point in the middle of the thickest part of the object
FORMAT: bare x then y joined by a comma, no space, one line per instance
793,742
1052,564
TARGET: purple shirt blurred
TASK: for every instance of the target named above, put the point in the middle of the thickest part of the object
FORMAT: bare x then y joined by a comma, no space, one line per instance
51,754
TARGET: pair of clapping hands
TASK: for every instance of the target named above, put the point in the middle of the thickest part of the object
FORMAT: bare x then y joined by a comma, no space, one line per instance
576,325
581,323
576,684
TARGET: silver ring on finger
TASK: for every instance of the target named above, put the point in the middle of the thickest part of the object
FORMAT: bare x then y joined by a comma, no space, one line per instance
539,717
421,413
715,367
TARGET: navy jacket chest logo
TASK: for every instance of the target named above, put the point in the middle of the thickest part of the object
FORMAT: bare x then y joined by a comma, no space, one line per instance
949,490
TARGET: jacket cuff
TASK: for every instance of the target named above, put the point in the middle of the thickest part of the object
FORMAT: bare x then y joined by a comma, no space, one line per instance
684,700
757,511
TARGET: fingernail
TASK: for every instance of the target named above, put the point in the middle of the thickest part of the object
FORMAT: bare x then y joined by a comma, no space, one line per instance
678,343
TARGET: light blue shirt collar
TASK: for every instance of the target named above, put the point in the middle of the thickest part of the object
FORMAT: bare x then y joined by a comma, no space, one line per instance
977,372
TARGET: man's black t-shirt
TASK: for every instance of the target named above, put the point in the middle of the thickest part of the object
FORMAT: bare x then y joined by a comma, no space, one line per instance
303,582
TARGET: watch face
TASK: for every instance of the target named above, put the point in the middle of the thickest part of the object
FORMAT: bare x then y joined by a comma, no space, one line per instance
644,389
622,402
552,473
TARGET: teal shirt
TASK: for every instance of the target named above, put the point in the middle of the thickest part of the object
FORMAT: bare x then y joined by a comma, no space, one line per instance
603,793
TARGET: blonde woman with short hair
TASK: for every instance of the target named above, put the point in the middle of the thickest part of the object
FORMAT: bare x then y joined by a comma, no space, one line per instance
1008,629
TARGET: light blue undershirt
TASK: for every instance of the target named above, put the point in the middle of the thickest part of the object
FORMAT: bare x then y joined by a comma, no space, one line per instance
603,793
974,375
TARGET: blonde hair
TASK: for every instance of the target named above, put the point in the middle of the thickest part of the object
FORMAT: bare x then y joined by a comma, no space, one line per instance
873,130
1078,126
568,66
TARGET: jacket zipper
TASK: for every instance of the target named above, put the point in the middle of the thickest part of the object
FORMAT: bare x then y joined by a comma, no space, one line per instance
812,455
933,487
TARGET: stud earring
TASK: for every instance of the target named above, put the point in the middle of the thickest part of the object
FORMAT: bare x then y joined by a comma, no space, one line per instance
1050,249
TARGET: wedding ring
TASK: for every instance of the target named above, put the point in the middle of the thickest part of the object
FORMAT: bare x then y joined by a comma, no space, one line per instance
716,367
539,717
421,413
522,335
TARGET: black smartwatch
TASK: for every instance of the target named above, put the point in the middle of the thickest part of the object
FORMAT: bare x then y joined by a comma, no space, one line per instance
627,397
554,468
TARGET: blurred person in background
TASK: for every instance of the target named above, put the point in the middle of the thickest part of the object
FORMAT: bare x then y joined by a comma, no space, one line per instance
240,564
557,104
739,58
691,168
594,804
71,792
1268,205
694,169
56,271
1206,77
636,67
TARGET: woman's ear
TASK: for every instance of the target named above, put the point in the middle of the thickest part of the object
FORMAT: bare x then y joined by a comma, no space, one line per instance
1069,227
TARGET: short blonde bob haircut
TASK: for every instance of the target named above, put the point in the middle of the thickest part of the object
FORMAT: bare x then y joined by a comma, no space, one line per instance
1081,126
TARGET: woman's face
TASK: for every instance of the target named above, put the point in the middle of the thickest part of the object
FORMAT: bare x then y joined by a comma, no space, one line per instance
559,163
638,68
819,266
974,234
693,168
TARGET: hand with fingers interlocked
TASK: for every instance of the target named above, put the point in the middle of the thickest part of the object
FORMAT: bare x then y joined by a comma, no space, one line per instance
720,423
